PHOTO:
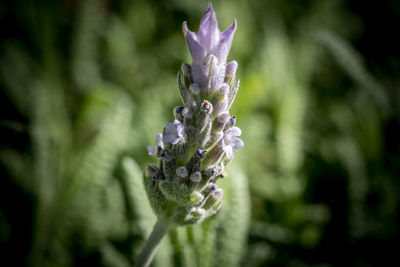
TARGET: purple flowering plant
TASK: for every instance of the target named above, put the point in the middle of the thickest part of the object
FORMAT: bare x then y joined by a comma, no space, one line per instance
193,150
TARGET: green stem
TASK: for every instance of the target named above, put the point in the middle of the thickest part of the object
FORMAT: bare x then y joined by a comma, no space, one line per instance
149,250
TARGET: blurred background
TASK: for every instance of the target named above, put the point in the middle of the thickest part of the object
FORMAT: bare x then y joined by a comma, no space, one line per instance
86,86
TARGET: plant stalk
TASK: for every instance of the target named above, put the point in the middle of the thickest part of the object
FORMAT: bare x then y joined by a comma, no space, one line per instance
149,250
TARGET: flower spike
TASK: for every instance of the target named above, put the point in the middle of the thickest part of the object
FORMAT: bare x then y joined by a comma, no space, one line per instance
195,148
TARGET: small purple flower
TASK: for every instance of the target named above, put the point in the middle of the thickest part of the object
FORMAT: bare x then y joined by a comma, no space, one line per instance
153,150
230,141
175,132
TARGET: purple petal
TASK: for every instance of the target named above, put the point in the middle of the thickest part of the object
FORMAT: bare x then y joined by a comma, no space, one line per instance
179,133
229,139
177,123
222,50
170,127
159,142
198,53
178,128
152,150
208,32
237,143
170,139
228,33
236,131
228,151
207,12
175,140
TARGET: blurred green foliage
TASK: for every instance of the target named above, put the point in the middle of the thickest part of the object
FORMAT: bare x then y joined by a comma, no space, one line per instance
86,85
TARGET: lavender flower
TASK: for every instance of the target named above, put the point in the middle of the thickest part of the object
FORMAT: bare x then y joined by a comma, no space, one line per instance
174,132
153,150
230,141
192,153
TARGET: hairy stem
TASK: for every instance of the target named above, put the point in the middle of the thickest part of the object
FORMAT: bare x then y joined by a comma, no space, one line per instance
149,250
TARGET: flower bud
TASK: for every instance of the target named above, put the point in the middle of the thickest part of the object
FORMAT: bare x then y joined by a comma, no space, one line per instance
195,162
222,175
178,113
213,198
213,156
220,100
205,135
184,91
195,177
180,150
222,92
182,174
220,122
166,155
230,123
221,106
187,69
212,187
216,74
204,115
168,163
188,78
151,169
192,138
195,215
188,116
232,93
231,68
208,174
157,176
215,137
196,197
